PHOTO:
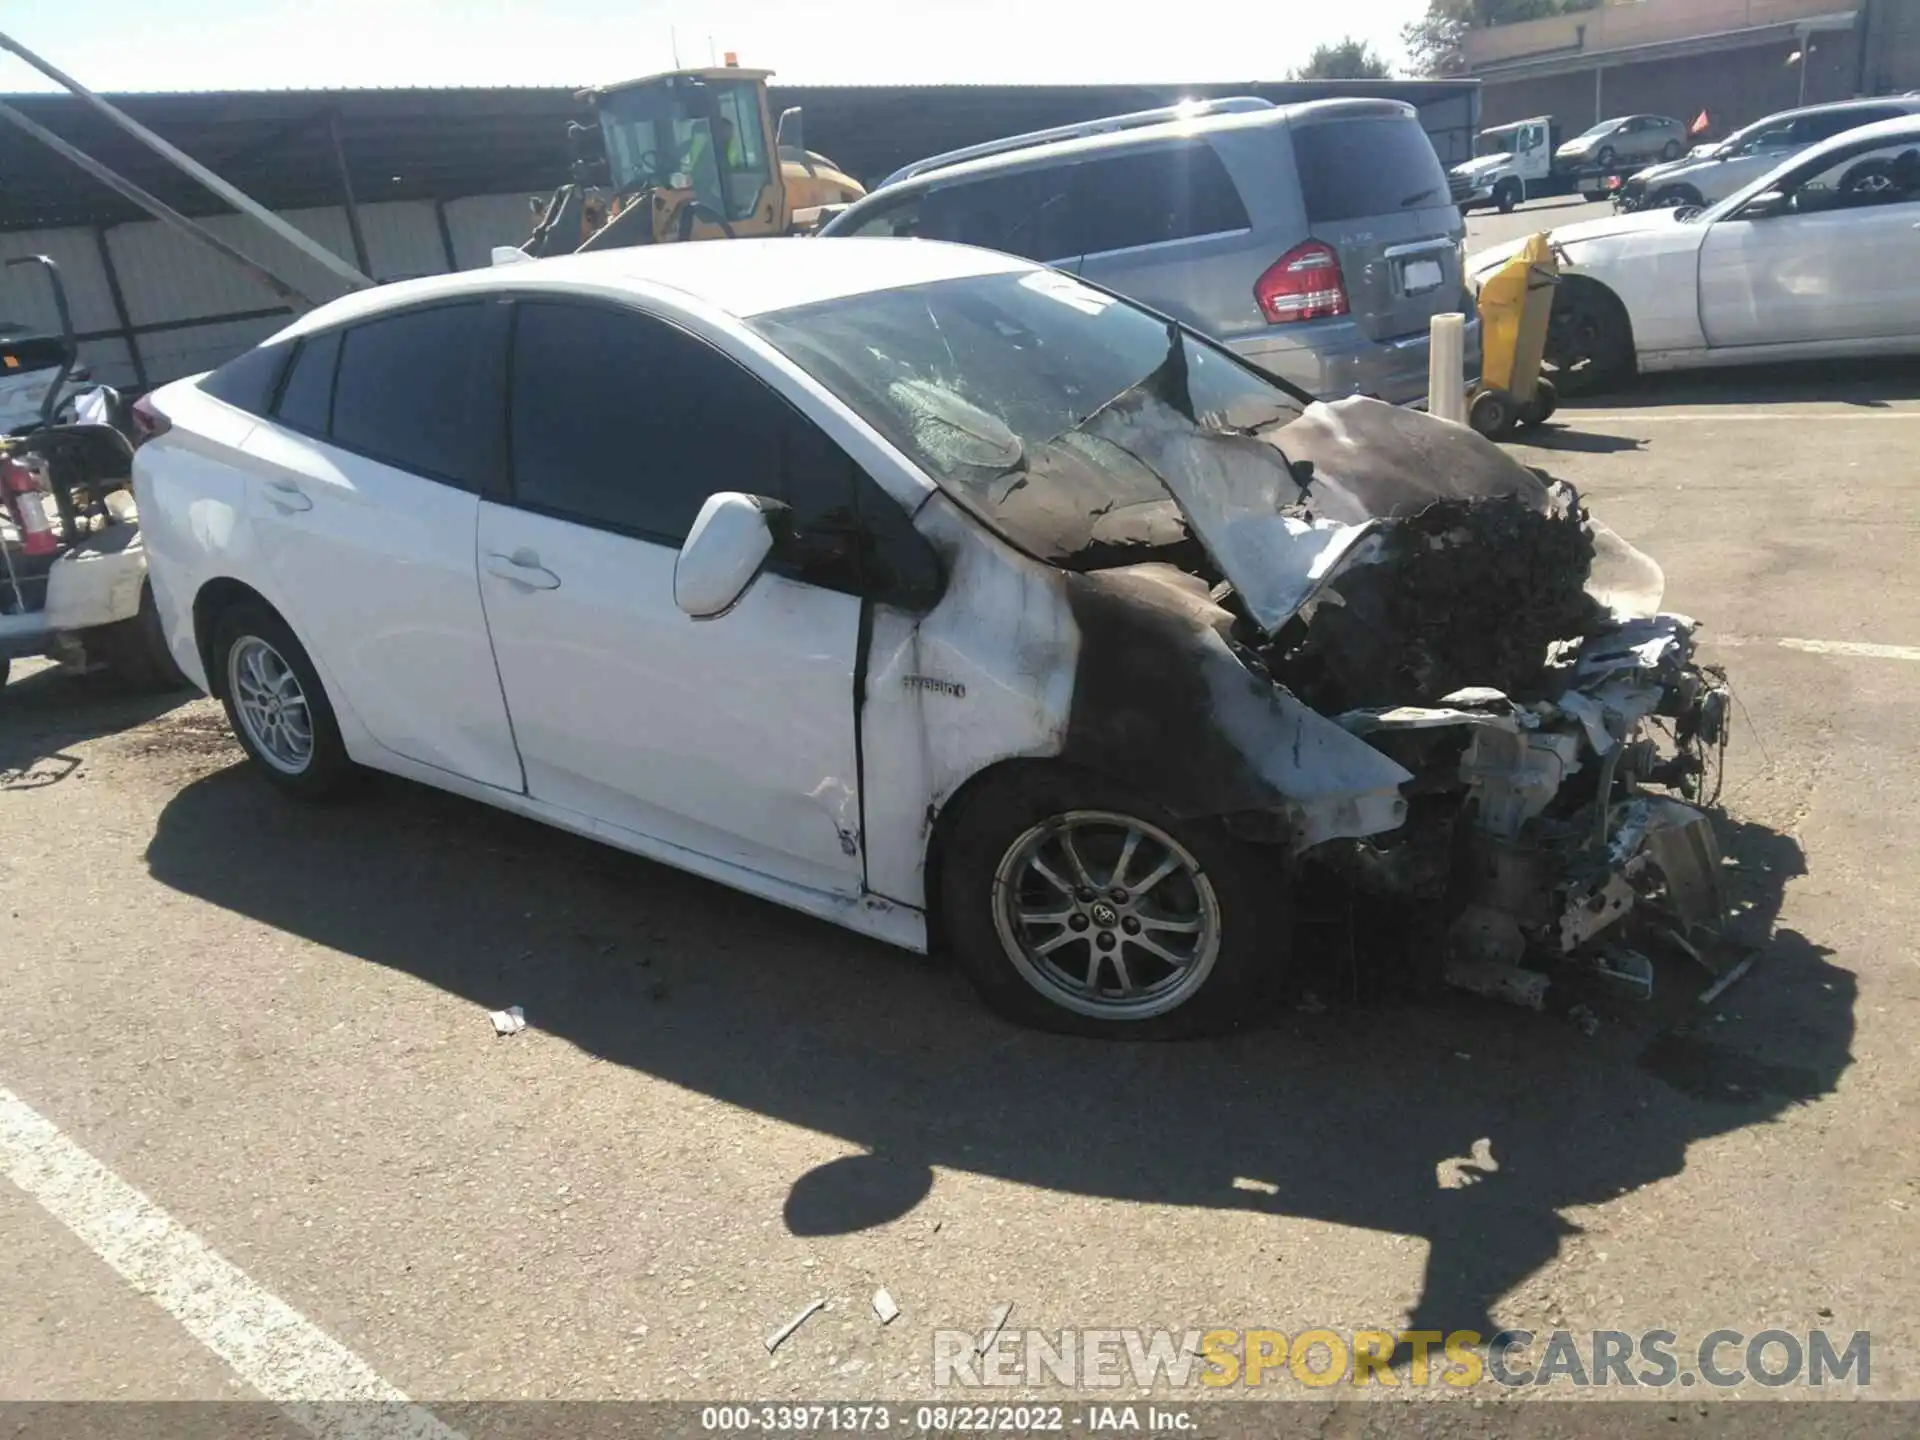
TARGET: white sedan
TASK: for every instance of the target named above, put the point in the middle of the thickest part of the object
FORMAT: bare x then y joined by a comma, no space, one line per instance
1818,259
921,589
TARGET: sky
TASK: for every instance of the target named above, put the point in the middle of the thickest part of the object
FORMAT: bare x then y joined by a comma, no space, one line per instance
121,45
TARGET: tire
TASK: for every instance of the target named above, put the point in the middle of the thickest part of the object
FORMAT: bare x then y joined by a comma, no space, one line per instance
1605,158
136,649
1493,413
1233,893
1540,408
320,769
1676,197
1672,150
1506,195
1589,338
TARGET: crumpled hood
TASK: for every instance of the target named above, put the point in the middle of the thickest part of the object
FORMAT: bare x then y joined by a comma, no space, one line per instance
1278,531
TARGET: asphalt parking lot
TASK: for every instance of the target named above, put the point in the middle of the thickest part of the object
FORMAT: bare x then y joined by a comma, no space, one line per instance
272,1022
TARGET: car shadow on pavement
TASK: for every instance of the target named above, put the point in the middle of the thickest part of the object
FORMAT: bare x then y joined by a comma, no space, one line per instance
1869,384
1563,437
1473,1126
43,716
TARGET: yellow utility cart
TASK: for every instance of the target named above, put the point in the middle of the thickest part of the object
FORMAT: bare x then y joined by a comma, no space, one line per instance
1515,303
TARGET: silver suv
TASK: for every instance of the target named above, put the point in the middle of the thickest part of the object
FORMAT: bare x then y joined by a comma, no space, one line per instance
1712,173
1317,241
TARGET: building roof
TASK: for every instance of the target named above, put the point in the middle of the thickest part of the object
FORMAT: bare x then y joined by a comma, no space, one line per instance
439,144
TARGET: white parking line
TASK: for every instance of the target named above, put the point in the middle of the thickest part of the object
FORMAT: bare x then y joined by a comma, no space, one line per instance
1866,648
269,1344
1661,417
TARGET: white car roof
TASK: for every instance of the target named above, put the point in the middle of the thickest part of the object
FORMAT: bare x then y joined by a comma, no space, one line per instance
742,278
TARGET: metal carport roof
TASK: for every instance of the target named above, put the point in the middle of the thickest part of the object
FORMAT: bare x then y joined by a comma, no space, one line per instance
439,144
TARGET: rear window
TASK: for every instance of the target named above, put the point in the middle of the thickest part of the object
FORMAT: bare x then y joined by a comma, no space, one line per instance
1150,197
247,381
416,391
1350,169
307,398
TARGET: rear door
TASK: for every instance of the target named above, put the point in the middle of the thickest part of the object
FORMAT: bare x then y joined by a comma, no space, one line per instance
364,496
1167,226
1374,190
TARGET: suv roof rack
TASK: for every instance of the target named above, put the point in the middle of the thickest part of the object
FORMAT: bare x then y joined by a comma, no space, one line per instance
1184,110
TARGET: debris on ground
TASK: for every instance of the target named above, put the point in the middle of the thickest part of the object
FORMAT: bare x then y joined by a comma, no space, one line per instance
510,1021
779,1337
995,1324
1583,1016
884,1307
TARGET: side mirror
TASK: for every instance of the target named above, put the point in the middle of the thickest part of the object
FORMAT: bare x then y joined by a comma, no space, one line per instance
730,540
1766,203
790,133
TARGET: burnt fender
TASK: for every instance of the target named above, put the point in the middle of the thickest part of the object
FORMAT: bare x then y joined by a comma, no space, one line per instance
1162,704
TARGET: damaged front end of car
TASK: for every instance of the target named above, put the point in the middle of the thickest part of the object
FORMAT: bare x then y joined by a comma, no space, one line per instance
1411,583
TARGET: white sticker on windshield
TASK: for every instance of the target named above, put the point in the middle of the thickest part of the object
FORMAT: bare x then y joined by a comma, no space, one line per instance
1067,290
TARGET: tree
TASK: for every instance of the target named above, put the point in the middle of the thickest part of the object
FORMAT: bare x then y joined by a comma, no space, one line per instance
1349,60
1433,41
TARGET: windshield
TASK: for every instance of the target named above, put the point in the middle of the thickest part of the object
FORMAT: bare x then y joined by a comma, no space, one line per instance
1605,127
1500,144
1007,390
679,136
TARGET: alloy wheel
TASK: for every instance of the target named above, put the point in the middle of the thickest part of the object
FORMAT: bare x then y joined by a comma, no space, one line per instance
270,705
1106,915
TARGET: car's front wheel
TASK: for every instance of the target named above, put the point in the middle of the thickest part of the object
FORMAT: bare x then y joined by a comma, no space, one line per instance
1589,338
276,704
1671,150
1074,905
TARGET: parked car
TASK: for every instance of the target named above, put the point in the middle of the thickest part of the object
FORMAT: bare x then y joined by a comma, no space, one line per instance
1317,241
919,588
1814,259
1623,139
1745,155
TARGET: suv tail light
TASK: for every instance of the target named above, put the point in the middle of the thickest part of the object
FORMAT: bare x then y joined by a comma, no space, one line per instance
1303,284
148,422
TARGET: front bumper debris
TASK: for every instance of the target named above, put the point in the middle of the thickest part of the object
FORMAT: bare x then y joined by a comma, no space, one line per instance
1571,828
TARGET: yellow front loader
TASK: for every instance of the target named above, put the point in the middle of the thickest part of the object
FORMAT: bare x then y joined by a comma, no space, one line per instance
688,155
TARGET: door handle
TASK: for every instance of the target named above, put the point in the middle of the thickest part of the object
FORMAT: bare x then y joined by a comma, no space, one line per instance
287,496
522,567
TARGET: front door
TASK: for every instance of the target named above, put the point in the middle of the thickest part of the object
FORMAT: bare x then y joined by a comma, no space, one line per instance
730,737
1840,261
364,499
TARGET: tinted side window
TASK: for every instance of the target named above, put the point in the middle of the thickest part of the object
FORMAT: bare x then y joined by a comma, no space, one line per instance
624,422
1152,196
247,381
1350,169
413,392
620,420
307,399
1019,213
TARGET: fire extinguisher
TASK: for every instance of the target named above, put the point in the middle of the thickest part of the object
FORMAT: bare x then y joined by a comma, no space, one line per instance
23,487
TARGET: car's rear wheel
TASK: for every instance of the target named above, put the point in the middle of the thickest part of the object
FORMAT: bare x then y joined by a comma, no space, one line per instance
1076,906
1589,338
276,704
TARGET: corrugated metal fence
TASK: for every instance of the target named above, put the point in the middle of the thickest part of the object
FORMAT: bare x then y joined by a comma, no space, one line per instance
152,305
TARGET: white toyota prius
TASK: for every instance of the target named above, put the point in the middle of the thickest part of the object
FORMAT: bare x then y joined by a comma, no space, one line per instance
928,591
